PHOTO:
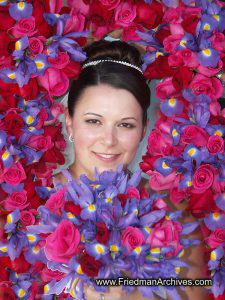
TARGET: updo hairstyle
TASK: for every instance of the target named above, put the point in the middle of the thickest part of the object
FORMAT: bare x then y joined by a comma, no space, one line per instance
114,74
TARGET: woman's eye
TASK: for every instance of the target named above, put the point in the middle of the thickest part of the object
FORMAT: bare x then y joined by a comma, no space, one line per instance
93,121
127,125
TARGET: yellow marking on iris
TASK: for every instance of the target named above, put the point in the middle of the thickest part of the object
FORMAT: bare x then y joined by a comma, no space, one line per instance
167,217
157,54
72,293
213,255
25,102
21,293
31,238
155,250
46,289
9,219
216,17
12,76
189,183
31,128
216,216
136,211
114,248
79,269
183,43
148,229
95,186
70,215
91,207
181,253
207,26
4,249
138,250
57,15
218,132
17,275
99,249
21,5
5,155
174,132
207,52
177,270
18,45
108,200
172,102
35,249
30,119
82,237
192,151
49,188
39,64
164,165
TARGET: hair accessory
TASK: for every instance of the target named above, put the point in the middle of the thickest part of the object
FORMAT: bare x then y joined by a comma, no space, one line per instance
96,62
71,139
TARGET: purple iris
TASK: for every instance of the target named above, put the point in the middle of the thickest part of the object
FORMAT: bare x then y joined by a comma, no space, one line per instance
208,57
171,107
41,64
20,46
20,10
188,41
215,220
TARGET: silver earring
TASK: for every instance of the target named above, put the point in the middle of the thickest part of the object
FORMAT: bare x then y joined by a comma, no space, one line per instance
71,139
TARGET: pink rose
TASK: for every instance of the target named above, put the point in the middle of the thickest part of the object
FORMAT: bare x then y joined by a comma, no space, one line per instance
188,58
27,218
56,201
129,33
218,41
171,43
56,110
159,203
25,26
173,16
62,244
203,178
211,87
54,81
165,234
36,46
132,192
75,23
132,238
125,13
214,108
218,185
209,72
48,275
54,6
60,61
16,200
165,89
40,143
110,4
157,142
177,195
215,144
14,175
216,238
80,6
193,134
158,182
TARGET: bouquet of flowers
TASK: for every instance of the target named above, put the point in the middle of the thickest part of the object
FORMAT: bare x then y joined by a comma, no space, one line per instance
106,228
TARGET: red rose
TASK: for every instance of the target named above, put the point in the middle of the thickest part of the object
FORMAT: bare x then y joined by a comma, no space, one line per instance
69,206
60,61
148,162
159,69
38,11
7,293
89,265
40,143
29,91
72,69
8,89
201,204
102,235
6,21
99,14
182,78
123,199
190,23
44,29
110,4
5,57
54,155
215,144
48,275
4,274
20,265
14,123
162,33
149,15
193,134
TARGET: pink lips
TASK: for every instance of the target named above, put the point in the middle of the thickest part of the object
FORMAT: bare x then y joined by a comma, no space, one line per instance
106,157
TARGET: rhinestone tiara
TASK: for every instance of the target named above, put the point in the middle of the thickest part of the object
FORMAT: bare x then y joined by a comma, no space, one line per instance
96,62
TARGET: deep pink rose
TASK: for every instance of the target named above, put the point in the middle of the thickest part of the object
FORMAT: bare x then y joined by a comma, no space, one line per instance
172,16
110,4
165,89
211,87
186,56
14,175
16,200
40,143
129,33
193,134
62,244
56,201
60,61
203,178
216,238
171,42
54,6
48,275
35,45
27,218
215,144
209,72
132,238
132,192
25,26
218,41
157,142
159,203
177,195
125,13
165,234
158,182
75,23
54,81
80,6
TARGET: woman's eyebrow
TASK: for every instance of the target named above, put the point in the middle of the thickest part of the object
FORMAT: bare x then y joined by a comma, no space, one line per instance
129,118
89,113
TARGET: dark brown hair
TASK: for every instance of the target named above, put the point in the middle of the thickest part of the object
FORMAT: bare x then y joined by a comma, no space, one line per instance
114,74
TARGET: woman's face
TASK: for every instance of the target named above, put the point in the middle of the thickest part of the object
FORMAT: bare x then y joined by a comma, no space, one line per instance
107,128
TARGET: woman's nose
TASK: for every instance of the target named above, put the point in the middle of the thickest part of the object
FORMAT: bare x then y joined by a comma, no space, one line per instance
109,136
